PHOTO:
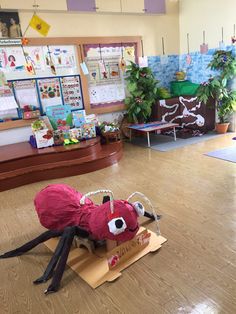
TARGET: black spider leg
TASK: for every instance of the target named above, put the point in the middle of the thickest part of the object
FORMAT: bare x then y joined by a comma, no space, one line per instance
31,244
151,216
53,262
59,258
106,198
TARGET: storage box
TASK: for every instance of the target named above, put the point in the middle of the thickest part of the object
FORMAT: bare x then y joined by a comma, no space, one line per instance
31,114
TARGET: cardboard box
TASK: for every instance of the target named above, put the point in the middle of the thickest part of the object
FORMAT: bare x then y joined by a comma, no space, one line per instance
104,266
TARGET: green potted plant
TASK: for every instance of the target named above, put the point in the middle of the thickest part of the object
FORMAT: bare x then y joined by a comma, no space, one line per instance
143,92
218,88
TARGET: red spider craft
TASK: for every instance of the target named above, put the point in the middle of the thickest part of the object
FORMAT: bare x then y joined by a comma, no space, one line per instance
67,213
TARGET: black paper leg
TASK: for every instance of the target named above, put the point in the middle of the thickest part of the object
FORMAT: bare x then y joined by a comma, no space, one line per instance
68,235
31,244
53,262
151,216
59,251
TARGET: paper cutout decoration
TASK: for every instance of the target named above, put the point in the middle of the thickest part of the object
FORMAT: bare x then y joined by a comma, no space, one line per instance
233,38
84,68
203,46
3,80
30,68
39,25
143,62
122,64
188,57
52,67
129,51
164,59
102,66
221,43
24,41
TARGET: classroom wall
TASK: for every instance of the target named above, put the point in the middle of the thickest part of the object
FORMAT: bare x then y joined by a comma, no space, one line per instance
151,27
209,15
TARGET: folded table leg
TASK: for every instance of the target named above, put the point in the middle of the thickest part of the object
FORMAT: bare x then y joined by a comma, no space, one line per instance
148,139
174,133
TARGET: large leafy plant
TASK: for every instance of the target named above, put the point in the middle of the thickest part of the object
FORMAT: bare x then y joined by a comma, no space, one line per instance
143,92
217,87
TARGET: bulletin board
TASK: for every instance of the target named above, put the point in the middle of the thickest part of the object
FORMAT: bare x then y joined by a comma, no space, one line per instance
48,91
67,61
106,79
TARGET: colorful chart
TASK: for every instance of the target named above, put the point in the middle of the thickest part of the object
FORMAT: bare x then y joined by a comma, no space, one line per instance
71,90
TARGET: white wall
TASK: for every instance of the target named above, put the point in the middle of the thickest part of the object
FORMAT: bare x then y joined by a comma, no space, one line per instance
209,15
151,27
13,136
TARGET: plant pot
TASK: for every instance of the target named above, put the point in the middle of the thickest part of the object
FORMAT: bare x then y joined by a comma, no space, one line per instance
222,127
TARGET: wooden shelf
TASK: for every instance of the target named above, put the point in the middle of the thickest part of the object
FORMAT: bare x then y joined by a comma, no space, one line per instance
21,164
15,124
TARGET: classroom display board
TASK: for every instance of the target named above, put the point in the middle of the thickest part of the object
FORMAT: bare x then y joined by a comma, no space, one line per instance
71,90
106,79
8,104
26,93
13,61
40,93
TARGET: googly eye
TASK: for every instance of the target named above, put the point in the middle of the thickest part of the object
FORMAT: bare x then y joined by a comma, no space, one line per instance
139,208
117,225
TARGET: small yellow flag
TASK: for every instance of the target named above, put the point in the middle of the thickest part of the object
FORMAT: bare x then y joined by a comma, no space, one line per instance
39,25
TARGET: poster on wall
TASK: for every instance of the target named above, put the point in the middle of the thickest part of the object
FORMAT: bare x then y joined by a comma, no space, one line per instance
15,59
49,92
8,105
3,59
26,93
106,78
62,56
35,56
10,25
71,90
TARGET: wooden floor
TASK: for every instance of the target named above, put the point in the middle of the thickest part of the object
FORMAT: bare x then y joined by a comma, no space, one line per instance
194,272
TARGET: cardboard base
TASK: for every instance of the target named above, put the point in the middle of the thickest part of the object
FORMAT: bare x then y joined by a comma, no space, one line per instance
94,268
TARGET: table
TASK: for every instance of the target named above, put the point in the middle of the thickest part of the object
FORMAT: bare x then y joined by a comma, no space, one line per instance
152,126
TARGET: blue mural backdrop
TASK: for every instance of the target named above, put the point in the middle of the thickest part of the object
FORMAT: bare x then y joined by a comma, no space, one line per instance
197,71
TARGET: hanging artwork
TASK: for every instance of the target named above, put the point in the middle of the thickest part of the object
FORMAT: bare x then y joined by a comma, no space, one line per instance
164,59
203,46
3,59
222,43
15,59
10,25
26,93
7,99
71,90
49,91
106,76
188,57
35,55
63,57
